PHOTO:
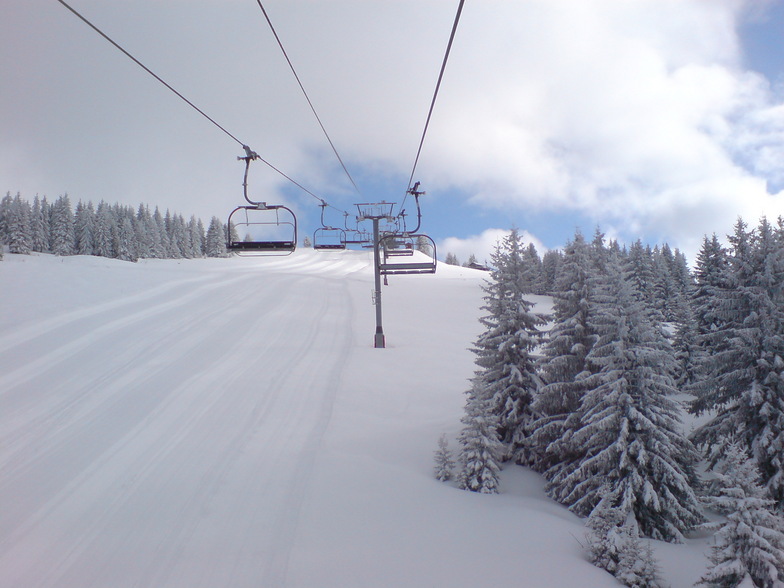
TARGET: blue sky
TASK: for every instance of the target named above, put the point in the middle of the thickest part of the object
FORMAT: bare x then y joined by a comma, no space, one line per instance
653,119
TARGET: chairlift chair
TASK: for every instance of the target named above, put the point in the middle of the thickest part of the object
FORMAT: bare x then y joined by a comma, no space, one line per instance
388,268
259,228
329,239
262,230
354,235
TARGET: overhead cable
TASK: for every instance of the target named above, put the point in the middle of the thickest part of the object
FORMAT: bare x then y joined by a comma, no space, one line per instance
312,108
191,104
435,95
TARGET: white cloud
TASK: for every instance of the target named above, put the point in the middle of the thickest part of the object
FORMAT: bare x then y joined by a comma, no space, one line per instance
635,114
483,245
629,112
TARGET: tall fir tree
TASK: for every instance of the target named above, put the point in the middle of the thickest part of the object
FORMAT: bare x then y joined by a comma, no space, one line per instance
551,262
630,441
642,272
687,350
504,351
742,373
6,205
84,228
216,239
142,227
103,245
46,219
20,238
38,227
196,237
531,270
62,227
125,240
564,359
666,295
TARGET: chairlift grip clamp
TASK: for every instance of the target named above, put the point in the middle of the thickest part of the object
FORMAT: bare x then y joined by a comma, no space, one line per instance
250,155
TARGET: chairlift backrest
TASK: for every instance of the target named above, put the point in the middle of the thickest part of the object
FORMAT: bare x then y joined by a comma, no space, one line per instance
398,246
357,237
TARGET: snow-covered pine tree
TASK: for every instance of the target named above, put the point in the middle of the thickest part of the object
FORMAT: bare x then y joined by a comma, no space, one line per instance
551,262
688,353
444,463
160,236
173,239
196,237
5,214
614,545
638,567
142,225
125,244
451,259
480,450
666,295
639,262
742,375
84,227
711,279
62,228
179,237
604,539
39,227
20,236
531,278
630,441
104,230
216,239
504,351
557,402
749,543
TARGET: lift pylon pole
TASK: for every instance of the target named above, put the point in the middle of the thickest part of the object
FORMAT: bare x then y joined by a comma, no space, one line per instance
378,340
376,212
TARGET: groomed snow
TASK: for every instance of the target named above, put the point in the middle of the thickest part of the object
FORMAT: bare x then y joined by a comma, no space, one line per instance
227,423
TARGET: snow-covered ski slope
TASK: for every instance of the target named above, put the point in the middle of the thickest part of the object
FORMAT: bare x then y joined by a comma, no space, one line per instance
227,423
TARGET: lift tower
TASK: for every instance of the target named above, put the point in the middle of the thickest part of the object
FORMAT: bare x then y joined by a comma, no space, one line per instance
376,212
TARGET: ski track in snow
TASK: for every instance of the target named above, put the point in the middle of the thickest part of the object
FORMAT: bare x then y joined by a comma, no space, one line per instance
110,416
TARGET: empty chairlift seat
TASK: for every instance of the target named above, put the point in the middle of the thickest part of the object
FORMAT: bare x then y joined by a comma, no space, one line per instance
262,229
410,263
329,239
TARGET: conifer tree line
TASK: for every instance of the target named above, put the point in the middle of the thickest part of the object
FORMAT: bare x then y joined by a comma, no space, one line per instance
105,230
592,396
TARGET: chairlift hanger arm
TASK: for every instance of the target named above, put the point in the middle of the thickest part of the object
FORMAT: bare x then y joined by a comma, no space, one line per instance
416,193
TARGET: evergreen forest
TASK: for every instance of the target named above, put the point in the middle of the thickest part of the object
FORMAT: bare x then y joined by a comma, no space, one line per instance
594,396
105,230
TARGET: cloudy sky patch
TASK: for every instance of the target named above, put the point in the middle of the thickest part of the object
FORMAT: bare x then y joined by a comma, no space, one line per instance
651,118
